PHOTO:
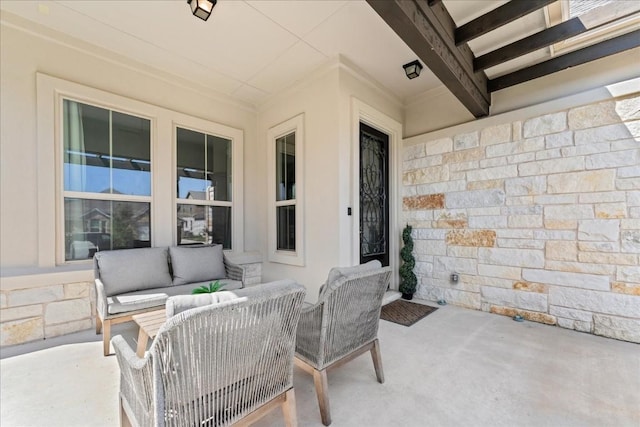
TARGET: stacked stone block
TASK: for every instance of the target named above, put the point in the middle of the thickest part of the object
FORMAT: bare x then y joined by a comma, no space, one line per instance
45,312
539,217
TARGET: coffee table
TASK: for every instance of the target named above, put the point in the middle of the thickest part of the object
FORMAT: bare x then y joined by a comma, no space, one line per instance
149,322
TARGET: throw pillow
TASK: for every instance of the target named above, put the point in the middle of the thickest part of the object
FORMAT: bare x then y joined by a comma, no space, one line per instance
193,264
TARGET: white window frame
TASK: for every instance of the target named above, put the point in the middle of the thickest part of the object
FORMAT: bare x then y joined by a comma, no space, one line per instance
237,150
50,92
85,195
293,125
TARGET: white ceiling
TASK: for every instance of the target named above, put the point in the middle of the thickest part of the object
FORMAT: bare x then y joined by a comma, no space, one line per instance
252,49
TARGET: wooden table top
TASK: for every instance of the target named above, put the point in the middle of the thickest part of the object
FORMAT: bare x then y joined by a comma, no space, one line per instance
151,321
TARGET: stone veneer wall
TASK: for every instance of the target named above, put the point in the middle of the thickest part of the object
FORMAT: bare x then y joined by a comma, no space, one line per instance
539,217
30,313
34,313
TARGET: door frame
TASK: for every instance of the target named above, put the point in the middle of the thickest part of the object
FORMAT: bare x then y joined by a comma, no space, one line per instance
361,112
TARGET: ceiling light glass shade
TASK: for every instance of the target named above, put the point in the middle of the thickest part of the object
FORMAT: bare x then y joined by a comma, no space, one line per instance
412,69
202,8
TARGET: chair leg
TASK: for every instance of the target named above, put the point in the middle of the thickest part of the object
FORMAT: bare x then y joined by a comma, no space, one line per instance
124,419
322,390
289,409
98,325
106,337
377,361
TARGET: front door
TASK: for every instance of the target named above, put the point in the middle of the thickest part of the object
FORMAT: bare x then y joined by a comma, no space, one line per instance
374,195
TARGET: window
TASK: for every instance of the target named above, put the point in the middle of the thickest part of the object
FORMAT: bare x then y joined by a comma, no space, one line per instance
107,180
286,192
285,188
204,188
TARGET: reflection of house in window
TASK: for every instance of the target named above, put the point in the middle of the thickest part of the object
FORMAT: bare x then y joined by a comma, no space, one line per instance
202,223
97,221
98,225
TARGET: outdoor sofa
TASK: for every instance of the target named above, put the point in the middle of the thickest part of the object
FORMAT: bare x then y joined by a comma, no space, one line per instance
132,281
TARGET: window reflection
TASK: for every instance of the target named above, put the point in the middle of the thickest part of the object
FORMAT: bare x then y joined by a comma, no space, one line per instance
99,225
105,151
286,167
286,218
203,166
204,224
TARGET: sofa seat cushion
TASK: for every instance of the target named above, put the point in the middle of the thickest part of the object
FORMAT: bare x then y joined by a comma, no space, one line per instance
196,263
130,270
157,297
135,301
227,285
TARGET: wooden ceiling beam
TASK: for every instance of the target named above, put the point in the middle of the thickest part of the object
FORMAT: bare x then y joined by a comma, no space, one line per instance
496,18
600,50
430,35
544,38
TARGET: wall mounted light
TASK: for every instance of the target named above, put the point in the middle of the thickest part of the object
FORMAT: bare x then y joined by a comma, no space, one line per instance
412,69
202,8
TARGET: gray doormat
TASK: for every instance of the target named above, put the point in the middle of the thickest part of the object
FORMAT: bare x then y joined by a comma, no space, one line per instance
404,312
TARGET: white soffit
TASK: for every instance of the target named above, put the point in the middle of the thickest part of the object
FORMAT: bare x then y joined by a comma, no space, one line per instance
298,17
295,64
359,34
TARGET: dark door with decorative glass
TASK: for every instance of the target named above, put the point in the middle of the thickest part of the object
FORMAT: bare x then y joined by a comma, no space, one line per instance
374,195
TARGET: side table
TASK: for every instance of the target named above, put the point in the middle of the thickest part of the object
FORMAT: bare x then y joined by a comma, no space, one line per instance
149,323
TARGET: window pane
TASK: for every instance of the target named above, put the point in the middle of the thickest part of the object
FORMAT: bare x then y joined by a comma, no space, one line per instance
93,225
204,166
204,224
286,217
104,151
219,168
86,147
131,155
286,167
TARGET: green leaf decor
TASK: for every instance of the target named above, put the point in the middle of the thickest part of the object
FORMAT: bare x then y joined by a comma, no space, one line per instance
211,288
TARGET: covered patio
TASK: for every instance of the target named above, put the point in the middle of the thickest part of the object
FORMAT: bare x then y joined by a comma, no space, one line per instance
455,367
511,147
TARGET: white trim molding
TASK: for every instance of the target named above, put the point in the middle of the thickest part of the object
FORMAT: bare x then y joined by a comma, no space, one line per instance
293,125
361,112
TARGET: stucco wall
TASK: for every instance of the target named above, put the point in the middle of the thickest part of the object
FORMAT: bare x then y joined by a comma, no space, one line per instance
39,299
539,216
325,99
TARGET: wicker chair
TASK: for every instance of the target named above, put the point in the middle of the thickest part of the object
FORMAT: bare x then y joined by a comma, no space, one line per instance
216,365
342,325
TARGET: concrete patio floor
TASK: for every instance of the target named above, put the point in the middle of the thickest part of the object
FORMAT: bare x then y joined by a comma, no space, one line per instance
456,367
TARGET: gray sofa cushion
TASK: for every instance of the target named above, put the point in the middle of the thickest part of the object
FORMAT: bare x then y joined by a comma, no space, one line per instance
157,297
196,263
128,270
227,284
136,301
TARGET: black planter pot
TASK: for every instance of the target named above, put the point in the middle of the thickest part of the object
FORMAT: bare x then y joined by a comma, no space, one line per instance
407,296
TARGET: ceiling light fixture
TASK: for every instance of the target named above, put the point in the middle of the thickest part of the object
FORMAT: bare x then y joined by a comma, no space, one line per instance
412,69
202,8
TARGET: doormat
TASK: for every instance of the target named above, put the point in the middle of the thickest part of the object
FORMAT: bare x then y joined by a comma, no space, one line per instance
404,312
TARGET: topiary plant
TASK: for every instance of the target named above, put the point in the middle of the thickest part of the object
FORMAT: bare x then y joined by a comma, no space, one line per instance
408,280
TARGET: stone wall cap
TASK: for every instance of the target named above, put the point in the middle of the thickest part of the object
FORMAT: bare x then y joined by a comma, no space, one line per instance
250,257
